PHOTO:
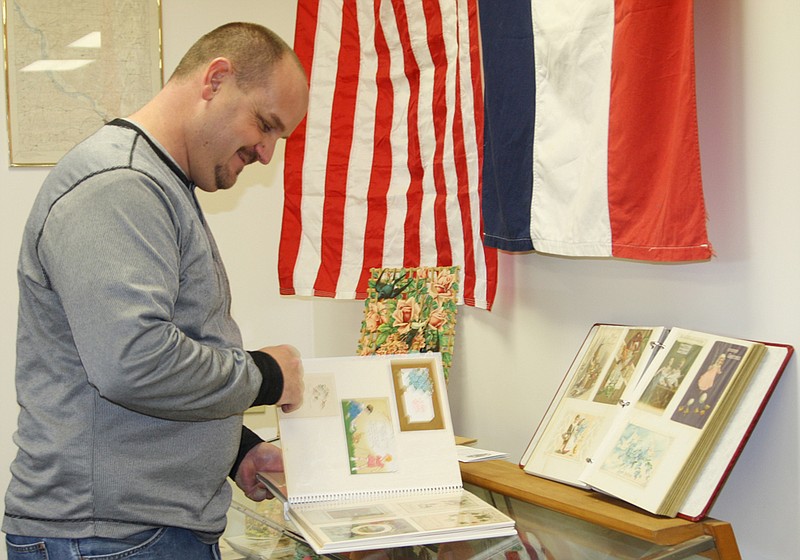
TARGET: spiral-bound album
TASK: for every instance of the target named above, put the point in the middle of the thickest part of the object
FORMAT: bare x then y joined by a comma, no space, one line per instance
370,458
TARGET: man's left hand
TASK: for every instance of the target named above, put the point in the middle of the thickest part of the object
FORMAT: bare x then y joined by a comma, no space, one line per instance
262,457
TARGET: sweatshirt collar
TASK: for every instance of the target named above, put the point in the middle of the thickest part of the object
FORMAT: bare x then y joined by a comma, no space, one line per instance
158,149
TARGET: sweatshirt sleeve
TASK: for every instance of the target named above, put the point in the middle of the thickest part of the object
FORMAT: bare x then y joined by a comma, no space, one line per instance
147,301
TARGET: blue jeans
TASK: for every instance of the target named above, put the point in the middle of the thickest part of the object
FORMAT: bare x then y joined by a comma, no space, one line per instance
166,543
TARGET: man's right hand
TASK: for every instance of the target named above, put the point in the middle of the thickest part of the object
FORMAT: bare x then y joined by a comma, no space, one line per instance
288,358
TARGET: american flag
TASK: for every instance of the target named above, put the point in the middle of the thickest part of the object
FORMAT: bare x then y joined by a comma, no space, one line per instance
385,170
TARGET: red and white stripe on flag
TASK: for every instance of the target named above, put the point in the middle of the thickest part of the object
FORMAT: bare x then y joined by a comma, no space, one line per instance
615,150
615,107
385,169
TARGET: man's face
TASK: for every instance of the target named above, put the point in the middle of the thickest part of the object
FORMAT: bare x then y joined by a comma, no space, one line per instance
242,127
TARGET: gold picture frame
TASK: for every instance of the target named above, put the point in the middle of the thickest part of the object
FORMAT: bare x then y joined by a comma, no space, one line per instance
415,380
72,67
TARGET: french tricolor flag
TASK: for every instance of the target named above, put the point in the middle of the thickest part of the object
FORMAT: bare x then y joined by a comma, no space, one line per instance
591,142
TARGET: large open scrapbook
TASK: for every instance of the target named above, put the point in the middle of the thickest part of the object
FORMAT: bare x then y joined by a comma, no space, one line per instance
655,416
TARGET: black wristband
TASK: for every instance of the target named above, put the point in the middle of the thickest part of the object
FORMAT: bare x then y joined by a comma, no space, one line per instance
249,441
272,378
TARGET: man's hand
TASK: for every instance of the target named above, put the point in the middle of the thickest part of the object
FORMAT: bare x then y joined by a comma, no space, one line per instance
288,358
262,457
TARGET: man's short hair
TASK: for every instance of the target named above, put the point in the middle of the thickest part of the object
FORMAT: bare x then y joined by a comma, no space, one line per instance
252,49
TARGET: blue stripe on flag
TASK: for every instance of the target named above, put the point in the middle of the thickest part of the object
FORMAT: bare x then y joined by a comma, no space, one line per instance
509,91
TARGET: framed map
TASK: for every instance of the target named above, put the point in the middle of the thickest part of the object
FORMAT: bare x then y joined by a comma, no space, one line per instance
72,67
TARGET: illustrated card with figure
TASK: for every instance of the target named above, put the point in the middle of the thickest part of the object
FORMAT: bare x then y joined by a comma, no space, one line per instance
605,371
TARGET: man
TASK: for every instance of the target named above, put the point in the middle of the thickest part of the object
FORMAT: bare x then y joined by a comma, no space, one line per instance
131,377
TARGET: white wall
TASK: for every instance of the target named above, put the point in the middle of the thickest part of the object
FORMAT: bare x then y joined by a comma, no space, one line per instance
509,362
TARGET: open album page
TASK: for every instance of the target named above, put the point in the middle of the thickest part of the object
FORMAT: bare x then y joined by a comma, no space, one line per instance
604,373
423,519
370,458
676,413
369,424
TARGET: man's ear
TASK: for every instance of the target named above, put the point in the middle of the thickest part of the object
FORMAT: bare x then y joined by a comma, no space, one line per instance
217,71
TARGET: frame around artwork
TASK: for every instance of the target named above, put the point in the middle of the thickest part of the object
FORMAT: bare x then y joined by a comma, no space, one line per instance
406,424
72,67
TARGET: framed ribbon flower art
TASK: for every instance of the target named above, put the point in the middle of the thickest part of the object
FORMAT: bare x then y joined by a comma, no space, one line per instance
410,310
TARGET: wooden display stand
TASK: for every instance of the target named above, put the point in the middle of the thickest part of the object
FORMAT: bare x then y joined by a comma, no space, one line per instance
509,480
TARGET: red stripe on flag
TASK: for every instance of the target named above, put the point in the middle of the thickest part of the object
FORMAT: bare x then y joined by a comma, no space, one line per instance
655,192
381,172
338,156
291,229
489,253
411,255
436,45
468,285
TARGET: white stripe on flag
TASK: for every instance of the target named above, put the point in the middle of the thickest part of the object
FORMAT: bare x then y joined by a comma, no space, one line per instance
318,138
455,229
572,53
394,234
468,90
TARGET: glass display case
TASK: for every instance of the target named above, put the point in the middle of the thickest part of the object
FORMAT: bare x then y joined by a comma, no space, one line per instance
554,522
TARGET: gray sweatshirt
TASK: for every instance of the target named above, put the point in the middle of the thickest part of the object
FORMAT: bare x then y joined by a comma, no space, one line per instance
130,376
